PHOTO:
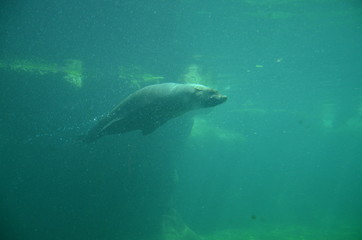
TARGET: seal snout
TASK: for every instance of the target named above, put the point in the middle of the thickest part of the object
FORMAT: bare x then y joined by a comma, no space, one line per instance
223,98
216,99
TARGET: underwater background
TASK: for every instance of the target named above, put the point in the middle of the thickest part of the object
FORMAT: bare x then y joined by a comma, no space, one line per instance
281,159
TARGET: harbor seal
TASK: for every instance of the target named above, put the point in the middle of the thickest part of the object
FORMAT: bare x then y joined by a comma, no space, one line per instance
152,106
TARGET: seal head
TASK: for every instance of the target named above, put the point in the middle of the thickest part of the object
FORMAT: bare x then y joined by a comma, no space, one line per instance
208,97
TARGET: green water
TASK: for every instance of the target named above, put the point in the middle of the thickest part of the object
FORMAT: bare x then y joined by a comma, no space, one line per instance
281,159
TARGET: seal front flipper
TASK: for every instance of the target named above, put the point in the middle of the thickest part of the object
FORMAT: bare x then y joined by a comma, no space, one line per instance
119,125
151,125
149,129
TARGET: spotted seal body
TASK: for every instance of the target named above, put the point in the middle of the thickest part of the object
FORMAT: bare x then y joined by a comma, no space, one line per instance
152,106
